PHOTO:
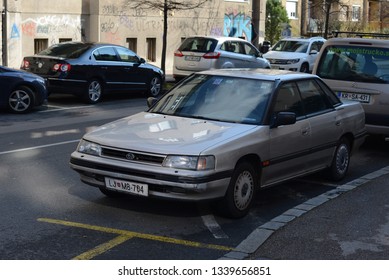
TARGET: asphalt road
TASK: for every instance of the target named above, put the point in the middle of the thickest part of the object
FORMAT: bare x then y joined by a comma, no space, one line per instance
47,213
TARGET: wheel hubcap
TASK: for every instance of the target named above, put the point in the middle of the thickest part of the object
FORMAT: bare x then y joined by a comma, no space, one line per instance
342,159
94,91
19,101
243,191
155,87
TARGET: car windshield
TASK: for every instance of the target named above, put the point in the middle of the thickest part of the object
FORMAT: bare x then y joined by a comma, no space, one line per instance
229,99
291,46
67,50
355,63
198,44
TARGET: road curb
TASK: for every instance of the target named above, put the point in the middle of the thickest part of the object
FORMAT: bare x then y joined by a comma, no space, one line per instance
263,232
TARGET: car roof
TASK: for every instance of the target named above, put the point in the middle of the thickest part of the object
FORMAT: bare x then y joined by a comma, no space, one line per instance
259,73
302,39
358,41
219,38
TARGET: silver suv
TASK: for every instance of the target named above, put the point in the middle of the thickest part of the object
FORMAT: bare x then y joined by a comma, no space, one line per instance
358,69
200,53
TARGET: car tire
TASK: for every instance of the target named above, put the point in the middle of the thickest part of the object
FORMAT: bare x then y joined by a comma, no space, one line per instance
304,68
341,160
155,86
21,100
240,193
94,91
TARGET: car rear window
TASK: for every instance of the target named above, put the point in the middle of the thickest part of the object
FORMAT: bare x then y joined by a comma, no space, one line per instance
354,63
198,44
73,50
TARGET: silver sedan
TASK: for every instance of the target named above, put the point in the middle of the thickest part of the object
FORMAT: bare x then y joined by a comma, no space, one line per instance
222,135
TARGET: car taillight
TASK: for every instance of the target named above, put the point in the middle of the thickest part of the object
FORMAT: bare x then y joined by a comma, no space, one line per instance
25,64
178,53
211,55
61,67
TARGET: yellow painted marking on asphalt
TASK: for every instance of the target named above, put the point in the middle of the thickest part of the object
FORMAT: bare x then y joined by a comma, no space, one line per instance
102,248
132,234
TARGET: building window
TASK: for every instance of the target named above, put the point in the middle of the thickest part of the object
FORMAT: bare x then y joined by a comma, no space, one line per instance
151,44
61,40
291,9
132,44
40,45
356,11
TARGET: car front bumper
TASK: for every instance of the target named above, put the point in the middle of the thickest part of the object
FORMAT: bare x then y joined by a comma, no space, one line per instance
162,182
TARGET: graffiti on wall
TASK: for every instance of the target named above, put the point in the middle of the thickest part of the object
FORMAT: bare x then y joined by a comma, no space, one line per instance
237,25
52,24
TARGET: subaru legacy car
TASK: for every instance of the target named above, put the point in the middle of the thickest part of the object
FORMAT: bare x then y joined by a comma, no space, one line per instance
90,70
199,53
21,91
295,54
222,135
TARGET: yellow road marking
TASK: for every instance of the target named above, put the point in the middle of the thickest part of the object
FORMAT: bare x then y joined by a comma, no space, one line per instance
98,250
132,234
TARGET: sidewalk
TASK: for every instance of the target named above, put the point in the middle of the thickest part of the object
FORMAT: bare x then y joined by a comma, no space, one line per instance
350,222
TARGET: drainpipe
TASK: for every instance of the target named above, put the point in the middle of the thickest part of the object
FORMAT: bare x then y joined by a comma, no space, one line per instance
4,33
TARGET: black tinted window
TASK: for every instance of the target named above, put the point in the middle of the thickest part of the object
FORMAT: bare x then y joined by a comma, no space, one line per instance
289,100
67,50
198,44
105,54
314,99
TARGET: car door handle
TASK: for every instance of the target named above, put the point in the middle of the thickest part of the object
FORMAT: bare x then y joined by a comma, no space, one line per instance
338,123
305,131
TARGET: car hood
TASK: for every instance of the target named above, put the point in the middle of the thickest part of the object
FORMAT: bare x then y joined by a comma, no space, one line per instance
155,133
283,55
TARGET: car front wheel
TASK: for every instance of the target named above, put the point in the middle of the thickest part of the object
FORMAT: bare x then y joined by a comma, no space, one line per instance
155,86
304,68
240,193
94,92
341,160
21,100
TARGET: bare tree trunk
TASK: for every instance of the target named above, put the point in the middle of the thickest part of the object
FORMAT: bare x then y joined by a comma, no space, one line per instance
327,21
164,36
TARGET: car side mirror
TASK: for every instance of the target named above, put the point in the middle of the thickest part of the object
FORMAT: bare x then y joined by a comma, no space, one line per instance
314,52
142,60
151,101
283,118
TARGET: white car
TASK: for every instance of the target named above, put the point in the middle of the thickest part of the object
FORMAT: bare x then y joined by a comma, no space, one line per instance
295,54
199,53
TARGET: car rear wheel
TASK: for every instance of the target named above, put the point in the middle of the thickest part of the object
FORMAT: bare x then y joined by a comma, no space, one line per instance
155,86
341,161
304,68
94,92
240,193
21,100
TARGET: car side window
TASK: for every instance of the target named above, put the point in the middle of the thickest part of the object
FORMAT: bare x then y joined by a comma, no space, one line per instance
314,99
288,100
105,54
249,50
127,55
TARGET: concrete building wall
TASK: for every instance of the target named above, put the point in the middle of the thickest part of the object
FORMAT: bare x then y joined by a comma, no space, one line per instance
32,22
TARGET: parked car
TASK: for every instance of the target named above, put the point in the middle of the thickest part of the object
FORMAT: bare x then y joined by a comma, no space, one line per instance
358,69
21,91
199,53
223,134
90,70
295,54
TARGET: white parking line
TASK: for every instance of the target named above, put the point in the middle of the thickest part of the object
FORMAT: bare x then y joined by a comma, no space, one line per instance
213,226
39,147
58,108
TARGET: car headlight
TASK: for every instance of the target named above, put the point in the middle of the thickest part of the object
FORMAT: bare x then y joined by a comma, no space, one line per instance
190,162
89,148
292,61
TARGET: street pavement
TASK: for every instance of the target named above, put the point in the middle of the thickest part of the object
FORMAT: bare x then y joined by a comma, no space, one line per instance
350,222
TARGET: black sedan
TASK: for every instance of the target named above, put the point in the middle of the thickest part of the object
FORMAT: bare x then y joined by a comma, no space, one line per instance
21,91
90,70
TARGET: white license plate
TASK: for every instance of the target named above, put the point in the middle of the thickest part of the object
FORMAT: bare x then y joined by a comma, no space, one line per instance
127,186
363,98
192,58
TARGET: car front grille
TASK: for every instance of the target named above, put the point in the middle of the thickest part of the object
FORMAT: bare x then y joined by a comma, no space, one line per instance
132,156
